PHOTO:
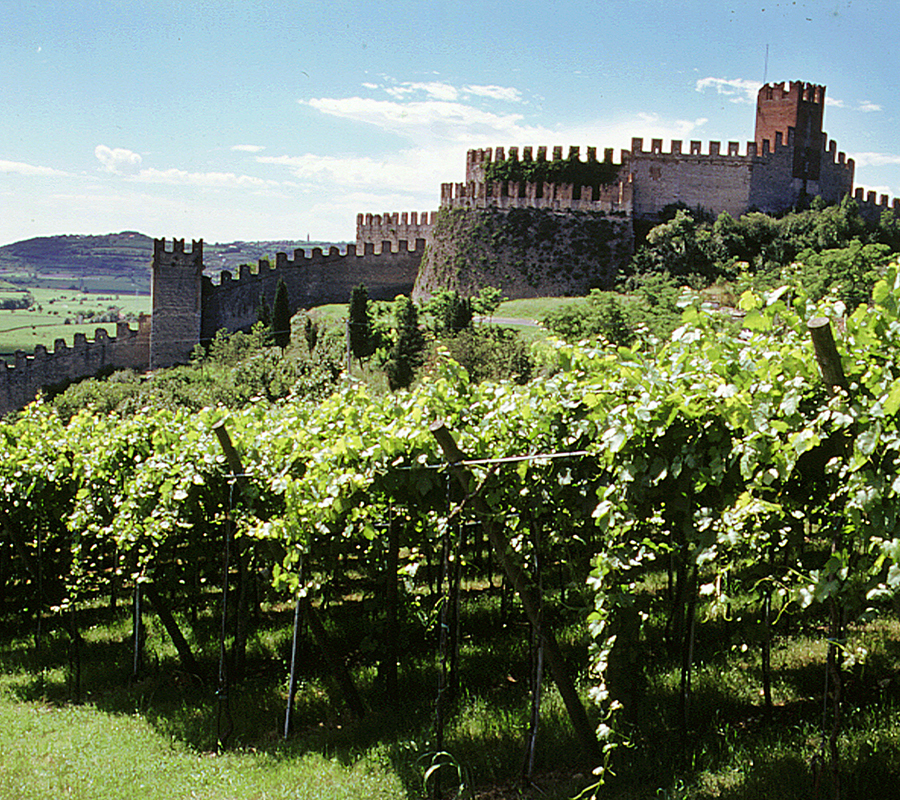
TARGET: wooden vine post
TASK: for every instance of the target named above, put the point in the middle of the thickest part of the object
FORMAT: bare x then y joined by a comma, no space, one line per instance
316,628
584,732
832,372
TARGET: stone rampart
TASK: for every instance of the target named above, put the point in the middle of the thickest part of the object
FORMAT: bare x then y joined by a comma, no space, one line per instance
394,227
175,302
614,198
872,206
22,381
760,178
477,160
312,279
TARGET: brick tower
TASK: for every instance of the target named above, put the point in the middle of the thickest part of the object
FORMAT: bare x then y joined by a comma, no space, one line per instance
800,106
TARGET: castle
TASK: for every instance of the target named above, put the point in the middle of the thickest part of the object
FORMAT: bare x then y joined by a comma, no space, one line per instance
525,238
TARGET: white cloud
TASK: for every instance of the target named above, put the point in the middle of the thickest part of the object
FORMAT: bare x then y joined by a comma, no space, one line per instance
118,160
30,170
874,159
209,180
737,90
248,148
868,106
506,93
419,170
427,120
832,101
432,90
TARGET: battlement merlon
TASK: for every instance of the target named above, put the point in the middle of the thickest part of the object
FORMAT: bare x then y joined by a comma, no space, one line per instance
478,159
614,198
159,248
796,91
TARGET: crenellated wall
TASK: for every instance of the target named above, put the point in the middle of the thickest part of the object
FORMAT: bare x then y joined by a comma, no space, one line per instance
614,198
175,293
312,279
20,382
394,227
477,160
872,206
762,178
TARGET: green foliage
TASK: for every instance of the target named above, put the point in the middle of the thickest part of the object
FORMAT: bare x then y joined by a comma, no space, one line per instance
310,333
847,273
679,247
281,316
568,170
649,312
718,455
449,312
491,354
407,354
761,246
264,312
359,325
487,301
18,301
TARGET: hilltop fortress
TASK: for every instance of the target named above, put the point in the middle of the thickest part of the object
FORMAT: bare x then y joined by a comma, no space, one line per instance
526,237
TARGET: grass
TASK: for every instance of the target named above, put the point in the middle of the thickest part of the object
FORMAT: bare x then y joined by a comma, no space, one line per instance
155,737
44,322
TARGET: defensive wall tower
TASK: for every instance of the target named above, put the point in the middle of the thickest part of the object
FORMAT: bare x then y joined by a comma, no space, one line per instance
394,227
800,106
175,302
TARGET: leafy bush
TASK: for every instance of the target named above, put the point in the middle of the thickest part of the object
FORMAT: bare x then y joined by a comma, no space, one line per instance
491,354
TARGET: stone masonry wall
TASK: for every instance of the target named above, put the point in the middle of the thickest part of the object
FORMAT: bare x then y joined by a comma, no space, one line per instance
175,302
394,228
21,381
525,252
311,280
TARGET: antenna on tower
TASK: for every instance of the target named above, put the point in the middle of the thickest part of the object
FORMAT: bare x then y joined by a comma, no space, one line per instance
766,67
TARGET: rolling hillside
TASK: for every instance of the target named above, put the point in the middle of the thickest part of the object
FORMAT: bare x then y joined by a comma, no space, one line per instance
116,262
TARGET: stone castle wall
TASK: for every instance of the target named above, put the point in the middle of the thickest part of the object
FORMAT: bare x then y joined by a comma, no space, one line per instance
20,382
394,227
525,252
312,280
175,301
525,238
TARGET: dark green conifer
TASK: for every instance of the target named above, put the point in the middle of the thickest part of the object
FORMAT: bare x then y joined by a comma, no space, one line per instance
281,316
359,327
407,354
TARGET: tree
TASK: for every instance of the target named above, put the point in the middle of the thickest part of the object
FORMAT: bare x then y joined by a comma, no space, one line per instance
487,302
281,316
263,312
407,352
359,325
311,333
449,311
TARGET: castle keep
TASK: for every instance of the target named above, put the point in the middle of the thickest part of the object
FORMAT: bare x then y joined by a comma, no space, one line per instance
525,238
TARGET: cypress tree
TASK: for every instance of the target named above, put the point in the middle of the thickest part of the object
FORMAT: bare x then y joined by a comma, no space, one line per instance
281,316
407,354
359,328
311,332
263,312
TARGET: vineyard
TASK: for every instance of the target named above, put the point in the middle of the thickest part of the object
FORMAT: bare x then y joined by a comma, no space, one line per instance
608,537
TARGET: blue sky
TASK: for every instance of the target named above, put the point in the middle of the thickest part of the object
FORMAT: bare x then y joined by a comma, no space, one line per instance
274,120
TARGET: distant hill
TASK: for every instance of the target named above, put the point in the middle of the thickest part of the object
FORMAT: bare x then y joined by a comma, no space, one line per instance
117,262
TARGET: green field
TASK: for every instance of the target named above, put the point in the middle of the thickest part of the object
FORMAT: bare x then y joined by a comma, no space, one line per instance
45,321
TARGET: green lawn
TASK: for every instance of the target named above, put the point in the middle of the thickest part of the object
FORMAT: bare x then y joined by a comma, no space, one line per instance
45,321
49,752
